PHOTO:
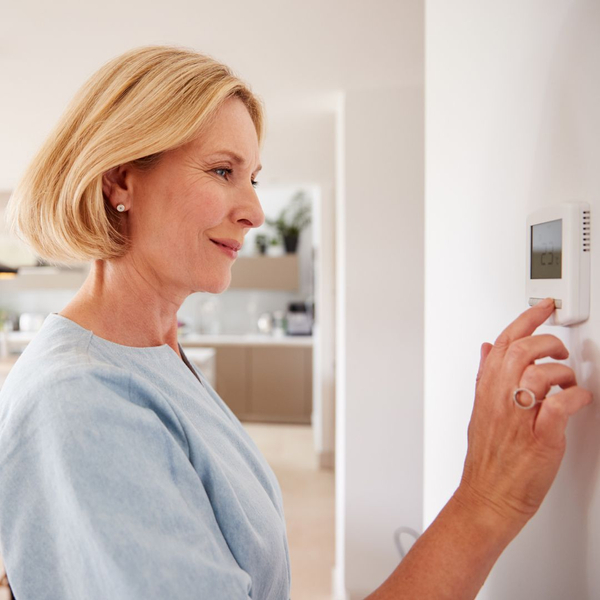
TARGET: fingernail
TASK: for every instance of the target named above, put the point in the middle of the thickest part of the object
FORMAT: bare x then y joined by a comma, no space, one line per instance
546,303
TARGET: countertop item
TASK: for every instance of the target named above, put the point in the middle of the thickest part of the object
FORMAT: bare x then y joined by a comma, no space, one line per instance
298,319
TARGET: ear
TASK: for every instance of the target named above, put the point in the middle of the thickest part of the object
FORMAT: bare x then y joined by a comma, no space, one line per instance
116,186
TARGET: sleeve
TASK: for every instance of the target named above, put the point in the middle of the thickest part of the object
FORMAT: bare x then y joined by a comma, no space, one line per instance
98,499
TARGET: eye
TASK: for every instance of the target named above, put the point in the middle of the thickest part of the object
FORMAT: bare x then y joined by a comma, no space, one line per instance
223,172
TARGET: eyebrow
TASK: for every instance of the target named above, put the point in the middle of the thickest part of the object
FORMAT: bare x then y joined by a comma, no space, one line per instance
234,157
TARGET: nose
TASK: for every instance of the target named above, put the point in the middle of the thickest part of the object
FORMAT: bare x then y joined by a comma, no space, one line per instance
249,213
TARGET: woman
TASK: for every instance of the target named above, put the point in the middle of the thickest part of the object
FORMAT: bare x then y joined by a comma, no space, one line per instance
122,473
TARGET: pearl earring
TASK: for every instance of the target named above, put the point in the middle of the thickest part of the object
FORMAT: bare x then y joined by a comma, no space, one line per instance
121,207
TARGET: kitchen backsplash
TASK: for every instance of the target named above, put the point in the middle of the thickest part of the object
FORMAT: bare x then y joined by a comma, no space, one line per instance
233,312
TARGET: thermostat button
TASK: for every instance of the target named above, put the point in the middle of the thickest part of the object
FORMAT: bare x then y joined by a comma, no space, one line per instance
534,301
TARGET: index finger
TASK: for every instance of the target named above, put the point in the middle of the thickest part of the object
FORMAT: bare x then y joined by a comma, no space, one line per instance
526,323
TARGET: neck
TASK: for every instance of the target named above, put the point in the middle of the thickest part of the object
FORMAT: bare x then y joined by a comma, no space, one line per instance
118,303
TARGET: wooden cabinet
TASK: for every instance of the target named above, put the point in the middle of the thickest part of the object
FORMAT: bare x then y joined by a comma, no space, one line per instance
269,384
281,384
266,273
232,378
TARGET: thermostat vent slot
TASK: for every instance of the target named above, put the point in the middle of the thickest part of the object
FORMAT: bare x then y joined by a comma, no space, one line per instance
586,233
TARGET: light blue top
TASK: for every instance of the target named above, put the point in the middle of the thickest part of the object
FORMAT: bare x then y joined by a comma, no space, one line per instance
124,477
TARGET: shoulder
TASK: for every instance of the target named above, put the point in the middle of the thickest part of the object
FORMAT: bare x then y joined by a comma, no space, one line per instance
57,365
60,380
59,389
56,352
84,405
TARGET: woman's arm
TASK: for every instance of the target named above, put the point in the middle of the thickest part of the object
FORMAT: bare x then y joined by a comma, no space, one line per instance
512,460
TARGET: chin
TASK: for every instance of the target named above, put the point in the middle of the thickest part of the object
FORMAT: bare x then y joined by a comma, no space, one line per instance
220,289
217,285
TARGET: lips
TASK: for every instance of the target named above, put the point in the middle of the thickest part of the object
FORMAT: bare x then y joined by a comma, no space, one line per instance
227,243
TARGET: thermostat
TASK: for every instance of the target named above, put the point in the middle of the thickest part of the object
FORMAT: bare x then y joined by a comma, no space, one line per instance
558,260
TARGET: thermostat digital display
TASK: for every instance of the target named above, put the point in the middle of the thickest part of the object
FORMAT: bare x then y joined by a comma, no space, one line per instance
546,250
558,260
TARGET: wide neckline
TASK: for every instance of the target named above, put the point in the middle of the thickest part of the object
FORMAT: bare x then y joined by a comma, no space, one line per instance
108,343
154,352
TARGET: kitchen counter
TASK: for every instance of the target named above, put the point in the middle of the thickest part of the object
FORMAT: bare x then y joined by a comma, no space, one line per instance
295,341
18,340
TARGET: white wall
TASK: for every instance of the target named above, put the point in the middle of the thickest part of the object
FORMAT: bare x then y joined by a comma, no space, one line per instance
380,357
295,54
513,124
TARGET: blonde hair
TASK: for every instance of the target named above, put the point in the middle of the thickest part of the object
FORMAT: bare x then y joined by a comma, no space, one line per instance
137,106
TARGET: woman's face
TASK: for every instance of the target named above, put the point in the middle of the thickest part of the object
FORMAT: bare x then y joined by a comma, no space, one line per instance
190,212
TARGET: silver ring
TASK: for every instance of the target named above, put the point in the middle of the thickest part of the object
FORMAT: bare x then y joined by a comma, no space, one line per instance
534,400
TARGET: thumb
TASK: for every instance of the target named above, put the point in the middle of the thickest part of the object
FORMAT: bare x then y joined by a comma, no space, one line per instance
486,348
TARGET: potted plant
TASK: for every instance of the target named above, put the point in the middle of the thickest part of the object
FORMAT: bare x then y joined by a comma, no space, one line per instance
292,220
261,241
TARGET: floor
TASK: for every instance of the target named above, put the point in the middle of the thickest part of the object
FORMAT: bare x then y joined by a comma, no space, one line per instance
308,498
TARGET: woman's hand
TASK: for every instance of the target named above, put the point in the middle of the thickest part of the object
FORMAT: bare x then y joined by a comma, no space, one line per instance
514,454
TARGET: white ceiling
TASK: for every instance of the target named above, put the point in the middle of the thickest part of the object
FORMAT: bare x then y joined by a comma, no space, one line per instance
294,54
